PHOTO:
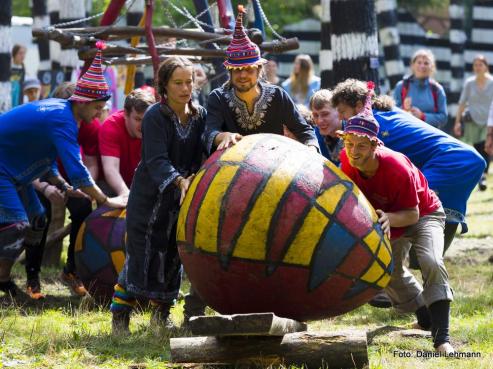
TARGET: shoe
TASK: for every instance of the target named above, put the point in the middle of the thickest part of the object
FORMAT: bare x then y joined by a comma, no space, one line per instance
9,288
416,325
120,322
445,348
160,317
33,289
74,283
380,300
482,183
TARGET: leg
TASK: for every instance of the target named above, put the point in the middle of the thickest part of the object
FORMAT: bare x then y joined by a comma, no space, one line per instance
14,226
160,316
121,307
428,242
194,305
449,235
479,146
79,210
404,290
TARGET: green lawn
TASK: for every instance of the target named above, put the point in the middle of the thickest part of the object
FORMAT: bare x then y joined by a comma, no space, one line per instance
63,332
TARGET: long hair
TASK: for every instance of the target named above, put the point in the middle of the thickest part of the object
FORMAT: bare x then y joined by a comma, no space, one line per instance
300,79
164,74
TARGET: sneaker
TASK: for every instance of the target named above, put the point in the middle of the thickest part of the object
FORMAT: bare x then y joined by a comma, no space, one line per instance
9,288
380,300
446,349
74,283
33,289
482,183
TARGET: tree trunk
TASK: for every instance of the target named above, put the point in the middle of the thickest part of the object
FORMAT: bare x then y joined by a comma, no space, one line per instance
314,350
5,55
390,40
354,40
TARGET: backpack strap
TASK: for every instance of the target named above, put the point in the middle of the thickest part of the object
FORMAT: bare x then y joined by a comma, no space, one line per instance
405,88
434,93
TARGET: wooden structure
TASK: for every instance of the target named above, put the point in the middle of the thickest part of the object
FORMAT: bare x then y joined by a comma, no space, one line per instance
261,340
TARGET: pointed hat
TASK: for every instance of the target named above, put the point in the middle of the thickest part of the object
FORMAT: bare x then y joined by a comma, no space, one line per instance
92,86
242,52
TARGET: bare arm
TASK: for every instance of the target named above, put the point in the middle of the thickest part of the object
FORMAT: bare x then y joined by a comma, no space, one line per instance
401,218
111,168
91,163
457,127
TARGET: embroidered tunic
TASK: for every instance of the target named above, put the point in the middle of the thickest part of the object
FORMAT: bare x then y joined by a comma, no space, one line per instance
152,267
274,108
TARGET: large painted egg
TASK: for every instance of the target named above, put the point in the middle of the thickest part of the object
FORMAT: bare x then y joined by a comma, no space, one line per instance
100,250
270,225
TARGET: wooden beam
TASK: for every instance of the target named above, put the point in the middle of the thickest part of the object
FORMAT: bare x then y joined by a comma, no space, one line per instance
263,324
344,349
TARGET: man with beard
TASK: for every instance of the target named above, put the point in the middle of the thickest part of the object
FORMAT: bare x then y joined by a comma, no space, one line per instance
245,105
31,137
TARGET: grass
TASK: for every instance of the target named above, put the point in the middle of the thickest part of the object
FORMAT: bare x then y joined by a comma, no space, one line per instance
63,332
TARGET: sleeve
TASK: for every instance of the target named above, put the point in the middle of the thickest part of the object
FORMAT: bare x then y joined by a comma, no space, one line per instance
464,95
155,143
214,123
398,94
295,122
490,116
68,149
89,138
438,119
109,140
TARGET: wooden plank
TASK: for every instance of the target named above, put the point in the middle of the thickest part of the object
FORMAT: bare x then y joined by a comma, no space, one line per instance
344,349
260,324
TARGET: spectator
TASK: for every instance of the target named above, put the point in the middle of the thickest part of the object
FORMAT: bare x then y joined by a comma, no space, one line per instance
120,141
474,104
421,95
199,96
302,83
17,74
270,70
31,89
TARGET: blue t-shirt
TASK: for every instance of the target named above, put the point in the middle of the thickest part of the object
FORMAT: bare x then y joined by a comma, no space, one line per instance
33,135
451,167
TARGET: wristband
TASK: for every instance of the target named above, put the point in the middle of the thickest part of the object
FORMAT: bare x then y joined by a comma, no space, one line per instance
62,186
43,190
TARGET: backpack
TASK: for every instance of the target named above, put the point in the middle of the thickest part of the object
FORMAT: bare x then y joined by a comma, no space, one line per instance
433,85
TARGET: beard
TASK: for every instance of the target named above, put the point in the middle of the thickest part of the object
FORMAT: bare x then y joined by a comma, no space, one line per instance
244,87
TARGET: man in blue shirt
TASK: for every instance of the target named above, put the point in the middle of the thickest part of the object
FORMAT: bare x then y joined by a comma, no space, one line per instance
451,167
32,136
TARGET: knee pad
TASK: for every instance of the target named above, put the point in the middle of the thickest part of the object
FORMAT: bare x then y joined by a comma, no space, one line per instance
35,232
12,237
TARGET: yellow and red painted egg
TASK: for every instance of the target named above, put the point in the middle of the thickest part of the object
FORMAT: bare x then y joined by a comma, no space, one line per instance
100,250
269,225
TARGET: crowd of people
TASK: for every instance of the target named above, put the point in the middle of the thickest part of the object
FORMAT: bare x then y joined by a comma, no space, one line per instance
145,156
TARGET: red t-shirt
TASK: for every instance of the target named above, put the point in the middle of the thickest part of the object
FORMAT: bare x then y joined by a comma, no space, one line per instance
115,141
88,139
397,185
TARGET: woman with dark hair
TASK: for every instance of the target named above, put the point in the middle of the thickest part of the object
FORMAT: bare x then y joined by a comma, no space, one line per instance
171,154
472,115
17,74
302,83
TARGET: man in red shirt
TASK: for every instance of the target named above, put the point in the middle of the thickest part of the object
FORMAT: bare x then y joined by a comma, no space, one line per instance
120,141
411,214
